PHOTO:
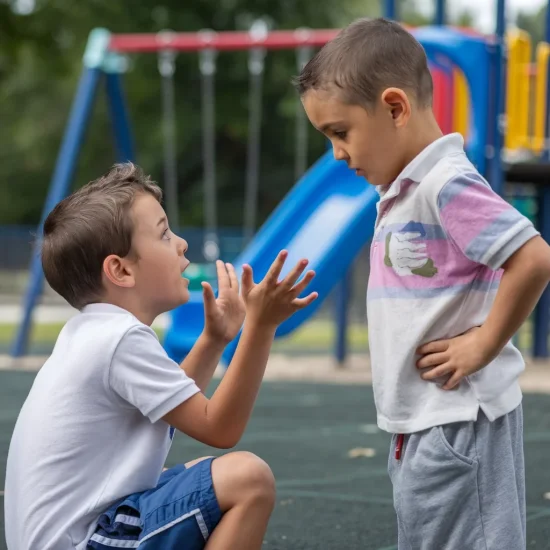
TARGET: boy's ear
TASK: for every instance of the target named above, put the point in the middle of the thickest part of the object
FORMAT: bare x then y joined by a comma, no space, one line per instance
118,271
396,103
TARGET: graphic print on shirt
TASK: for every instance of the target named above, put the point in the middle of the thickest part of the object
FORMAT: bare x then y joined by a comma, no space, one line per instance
406,252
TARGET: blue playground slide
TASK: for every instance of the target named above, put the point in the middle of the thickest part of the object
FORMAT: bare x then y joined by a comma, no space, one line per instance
327,217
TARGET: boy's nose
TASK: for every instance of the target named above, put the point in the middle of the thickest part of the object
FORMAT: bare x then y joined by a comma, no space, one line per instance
182,246
339,153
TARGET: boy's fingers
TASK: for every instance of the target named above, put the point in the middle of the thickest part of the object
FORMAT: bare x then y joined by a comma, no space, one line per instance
437,372
453,382
301,303
233,279
301,286
247,278
293,276
223,277
208,295
433,347
432,360
272,275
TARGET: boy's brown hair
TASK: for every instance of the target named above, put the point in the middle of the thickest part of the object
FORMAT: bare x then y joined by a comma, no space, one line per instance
365,58
89,225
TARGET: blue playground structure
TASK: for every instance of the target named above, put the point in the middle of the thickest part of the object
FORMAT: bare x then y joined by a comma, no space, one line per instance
329,214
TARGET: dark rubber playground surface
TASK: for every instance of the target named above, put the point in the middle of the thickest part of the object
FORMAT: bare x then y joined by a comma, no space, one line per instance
326,499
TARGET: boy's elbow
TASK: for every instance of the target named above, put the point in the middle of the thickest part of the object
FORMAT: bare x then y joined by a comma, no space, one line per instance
225,442
533,258
540,262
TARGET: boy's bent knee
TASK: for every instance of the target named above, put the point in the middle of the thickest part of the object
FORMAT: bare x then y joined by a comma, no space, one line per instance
242,477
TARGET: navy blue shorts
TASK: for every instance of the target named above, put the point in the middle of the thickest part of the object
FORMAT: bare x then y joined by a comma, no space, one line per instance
180,512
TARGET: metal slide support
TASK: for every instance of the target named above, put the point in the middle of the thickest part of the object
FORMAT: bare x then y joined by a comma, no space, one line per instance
390,9
343,294
440,15
63,173
119,119
498,57
542,311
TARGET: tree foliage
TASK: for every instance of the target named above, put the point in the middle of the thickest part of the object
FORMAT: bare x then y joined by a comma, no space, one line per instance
41,50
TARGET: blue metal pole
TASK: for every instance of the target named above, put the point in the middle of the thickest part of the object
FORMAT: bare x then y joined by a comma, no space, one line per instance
61,180
342,305
542,311
119,118
390,9
440,13
498,58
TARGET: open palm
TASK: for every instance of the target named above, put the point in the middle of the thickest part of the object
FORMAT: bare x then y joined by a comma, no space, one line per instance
224,315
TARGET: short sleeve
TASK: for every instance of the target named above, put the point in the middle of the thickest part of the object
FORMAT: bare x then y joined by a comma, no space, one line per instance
142,374
486,228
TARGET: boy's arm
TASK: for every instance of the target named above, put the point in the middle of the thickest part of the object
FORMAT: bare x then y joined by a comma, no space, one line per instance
201,362
221,421
490,232
223,318
526,274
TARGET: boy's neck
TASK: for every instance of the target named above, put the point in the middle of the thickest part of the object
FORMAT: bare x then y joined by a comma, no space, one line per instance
132,306
425,131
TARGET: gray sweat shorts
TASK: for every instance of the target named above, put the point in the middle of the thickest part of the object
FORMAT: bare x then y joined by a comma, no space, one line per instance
461,486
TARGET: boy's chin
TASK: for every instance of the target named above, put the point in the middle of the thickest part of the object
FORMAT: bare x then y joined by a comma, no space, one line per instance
185,299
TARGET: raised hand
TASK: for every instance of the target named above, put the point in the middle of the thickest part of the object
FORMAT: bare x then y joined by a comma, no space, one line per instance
224,315
271,301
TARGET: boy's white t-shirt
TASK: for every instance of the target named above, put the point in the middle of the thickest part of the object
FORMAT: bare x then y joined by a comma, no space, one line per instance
91,429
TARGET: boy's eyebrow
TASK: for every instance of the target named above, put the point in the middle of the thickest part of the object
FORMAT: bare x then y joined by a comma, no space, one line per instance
162,220
328,126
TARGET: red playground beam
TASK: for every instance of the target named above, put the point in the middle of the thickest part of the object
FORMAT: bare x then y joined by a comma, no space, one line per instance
221,41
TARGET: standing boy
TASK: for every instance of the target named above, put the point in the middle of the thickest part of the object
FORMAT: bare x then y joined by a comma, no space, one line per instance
455,271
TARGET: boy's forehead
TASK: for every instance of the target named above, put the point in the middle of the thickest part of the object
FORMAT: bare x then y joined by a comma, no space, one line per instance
321,102
146,212
323,107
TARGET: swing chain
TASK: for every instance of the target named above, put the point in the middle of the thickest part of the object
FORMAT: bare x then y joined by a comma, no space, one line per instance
256,61
207,56
258,33
303,55
167,56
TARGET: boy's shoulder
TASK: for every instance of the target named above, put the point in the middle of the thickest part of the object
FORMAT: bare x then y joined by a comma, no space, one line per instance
97,330
448,175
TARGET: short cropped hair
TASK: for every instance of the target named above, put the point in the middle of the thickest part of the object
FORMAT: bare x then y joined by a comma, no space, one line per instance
364,59
86,227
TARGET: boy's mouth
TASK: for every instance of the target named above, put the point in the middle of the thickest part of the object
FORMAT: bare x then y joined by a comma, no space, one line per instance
185,267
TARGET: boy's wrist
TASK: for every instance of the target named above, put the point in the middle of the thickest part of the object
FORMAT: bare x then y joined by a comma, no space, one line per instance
490,342
260,326
212,342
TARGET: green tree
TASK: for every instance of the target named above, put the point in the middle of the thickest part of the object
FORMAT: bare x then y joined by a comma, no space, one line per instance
41,61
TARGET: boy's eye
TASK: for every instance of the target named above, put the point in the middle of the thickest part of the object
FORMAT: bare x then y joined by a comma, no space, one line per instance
165,234
340,135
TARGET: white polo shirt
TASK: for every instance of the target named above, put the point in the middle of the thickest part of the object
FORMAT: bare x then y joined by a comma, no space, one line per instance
90,431
441,237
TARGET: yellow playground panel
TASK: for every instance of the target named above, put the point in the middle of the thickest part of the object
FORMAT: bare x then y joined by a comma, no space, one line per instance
526,82
539,110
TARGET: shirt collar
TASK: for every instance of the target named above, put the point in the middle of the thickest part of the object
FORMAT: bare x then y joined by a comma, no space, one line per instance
421,165
102,307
